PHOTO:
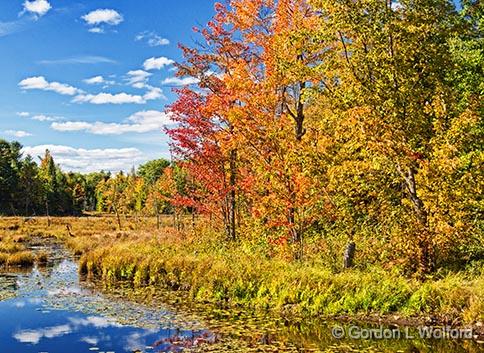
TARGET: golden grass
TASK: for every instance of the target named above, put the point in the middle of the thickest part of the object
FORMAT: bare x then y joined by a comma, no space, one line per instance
20,259
207,268
3,259
41,258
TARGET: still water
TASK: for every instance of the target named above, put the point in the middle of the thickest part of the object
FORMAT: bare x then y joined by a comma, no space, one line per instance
50,310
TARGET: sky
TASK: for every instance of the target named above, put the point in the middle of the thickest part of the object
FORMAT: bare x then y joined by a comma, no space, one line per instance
90,80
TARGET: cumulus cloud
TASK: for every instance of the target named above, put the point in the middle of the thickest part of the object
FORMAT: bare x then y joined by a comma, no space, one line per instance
39,82
94,80
34,336
39,117
98,30
37,7
153,93
109,98
103,16
98,80
152,39
120,98
42,117
178,81
17,133
95,321
137,78
72,126
138,339
93,341
140,122
157,63
86,161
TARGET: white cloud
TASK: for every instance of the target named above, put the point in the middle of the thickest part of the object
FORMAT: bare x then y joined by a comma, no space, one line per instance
96,321
37,7
7,28
140,122
96,30
39,82
28,336
120,98
138,78
138,339
34,336
17,133
23,114
83,59
93,341
153,93
177,81
71,126
84,160
42,117
109,98
103,16
157,63
94,80
153,39
99,80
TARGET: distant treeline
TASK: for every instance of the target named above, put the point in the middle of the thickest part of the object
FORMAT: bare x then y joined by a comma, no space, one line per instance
28,188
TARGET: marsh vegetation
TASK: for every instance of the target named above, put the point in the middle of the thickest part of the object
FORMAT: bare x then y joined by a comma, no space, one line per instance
239,292
327,163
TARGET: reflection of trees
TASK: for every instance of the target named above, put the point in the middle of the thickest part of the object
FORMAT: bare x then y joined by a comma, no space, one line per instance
318,334
178,340
265,332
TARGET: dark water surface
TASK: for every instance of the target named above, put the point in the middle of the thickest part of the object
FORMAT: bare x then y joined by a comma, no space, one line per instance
50,310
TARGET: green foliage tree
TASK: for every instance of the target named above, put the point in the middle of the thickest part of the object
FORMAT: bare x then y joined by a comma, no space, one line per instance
9,168
152,170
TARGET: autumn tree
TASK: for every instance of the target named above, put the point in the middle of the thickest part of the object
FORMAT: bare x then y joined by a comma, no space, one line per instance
390,63
205,136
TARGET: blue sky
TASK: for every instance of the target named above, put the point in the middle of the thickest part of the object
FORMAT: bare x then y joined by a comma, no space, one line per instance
90,79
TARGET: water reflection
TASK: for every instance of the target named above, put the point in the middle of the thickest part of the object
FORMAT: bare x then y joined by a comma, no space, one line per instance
48,310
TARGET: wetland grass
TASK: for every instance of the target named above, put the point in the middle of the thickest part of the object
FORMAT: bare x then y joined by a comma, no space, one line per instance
205,269
20,259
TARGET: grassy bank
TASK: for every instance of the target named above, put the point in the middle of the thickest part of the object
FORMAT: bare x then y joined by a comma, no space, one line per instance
206,269
13,250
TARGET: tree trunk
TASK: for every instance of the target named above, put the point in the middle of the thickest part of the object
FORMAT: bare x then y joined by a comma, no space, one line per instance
157,210
47,212
426,260
300,131
295,234
232,202
349,255
117,216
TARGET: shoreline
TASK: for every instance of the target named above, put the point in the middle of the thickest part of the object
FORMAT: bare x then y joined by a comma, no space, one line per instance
196,269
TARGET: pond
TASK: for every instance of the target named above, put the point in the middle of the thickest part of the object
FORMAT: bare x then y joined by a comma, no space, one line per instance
49,309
